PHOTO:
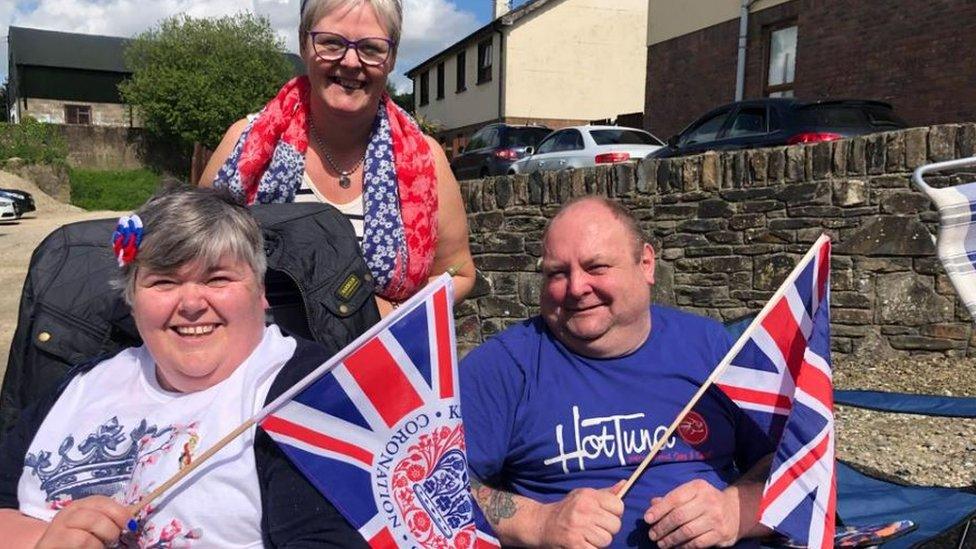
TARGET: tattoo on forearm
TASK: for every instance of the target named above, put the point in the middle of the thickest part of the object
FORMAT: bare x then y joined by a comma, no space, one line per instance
496,504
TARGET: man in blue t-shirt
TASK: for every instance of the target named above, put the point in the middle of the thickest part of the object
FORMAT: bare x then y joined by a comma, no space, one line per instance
560,409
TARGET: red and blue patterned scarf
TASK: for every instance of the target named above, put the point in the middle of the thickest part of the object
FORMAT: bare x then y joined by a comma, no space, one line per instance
399,183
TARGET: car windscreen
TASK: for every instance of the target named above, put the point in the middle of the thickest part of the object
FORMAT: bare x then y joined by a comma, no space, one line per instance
849,116
525,137
622,137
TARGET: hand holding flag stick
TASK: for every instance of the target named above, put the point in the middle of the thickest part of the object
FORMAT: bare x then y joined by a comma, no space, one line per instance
733,352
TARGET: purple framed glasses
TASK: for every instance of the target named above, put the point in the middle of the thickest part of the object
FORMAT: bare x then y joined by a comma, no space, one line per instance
329,46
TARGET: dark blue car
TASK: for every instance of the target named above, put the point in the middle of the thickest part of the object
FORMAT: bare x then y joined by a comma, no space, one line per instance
495,147
773,122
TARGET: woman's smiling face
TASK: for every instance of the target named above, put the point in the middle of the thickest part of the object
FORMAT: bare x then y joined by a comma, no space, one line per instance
199,323
347,86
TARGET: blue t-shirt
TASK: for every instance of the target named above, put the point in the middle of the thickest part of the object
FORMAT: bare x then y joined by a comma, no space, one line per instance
541,421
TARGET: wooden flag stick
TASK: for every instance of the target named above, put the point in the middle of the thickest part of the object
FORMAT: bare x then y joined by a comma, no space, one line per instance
722,365
148,498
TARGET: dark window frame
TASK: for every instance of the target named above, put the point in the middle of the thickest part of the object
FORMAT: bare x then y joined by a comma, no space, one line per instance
485,60
74,113
440,80
461,61
424,95
768,31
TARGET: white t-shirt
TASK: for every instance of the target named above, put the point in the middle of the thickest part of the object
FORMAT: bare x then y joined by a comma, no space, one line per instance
353,210
115,432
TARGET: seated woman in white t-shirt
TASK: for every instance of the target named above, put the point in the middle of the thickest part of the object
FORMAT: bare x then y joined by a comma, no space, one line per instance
118,428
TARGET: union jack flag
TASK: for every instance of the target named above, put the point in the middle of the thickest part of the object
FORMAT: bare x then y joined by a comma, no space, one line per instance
379,431
781,377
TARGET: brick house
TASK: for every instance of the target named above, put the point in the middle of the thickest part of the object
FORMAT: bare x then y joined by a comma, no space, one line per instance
551,62
914,54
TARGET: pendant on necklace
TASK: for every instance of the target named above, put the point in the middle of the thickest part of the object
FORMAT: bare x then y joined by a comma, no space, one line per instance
344,181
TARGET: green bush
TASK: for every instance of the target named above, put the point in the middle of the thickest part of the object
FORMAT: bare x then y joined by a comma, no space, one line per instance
112,190
35,142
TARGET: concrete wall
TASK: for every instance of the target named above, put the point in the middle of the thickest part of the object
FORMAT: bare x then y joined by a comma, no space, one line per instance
729,227
668,19
104,148
102,114
478,104
578,59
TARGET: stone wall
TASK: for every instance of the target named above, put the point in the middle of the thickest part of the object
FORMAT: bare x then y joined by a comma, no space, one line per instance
102,114
103,147
729,227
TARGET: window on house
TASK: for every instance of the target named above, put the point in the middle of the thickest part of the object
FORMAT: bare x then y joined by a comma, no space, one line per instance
440,80
424,88
781,65
77,114
461,84
484,61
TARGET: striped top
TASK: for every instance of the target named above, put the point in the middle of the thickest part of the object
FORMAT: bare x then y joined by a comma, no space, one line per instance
353,210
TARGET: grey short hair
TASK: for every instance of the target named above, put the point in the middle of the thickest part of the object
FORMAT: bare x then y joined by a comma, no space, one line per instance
186,224
389,12
620,213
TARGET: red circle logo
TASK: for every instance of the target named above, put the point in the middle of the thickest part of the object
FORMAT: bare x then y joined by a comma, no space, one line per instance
693,429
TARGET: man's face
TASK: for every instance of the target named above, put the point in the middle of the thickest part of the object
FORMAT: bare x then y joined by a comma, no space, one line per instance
595,294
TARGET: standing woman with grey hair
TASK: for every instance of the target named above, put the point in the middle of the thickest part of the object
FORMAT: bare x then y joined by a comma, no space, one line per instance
192,268
336,137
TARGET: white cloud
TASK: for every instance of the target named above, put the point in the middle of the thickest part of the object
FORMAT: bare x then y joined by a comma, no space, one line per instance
429,25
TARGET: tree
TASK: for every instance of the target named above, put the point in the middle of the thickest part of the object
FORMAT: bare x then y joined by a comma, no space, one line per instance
4,108
404,100
192,78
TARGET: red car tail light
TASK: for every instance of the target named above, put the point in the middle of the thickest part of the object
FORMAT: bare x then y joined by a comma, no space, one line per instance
507,154
611,157
813,137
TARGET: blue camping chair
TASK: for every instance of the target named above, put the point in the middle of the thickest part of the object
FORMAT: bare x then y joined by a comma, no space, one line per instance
864,500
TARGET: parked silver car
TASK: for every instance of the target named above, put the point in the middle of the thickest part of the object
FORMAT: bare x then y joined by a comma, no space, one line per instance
584,146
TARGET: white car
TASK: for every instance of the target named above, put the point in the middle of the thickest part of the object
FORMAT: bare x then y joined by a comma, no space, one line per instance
7,210
585,146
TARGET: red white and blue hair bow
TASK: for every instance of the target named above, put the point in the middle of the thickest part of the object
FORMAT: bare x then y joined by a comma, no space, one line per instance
126,239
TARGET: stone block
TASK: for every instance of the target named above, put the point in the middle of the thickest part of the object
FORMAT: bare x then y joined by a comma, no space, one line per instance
923,343
849,192
707,251
682,240
792,224
851,316
776,165
711,171
502,242
822,160
690,173
769,272
901,203
905,299
647,174
841,345
845,330
525,224
482,286
468,329
757,161
497,307
874,154
740,281
729,264
714,207
725,237
703,225
676,211
895,153
794,163
624,179
529,286
956,330
966,141
884,264
769,237
502,191
747,221
942,143
856,159
889,235
805,193
663,289
537,189
694,279
850,300
670,254
507,262
814,211
757,249
759,206
916,147
840,156
928,266
503,283
873,347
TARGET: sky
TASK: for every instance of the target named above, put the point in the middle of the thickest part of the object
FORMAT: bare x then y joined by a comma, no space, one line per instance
428,26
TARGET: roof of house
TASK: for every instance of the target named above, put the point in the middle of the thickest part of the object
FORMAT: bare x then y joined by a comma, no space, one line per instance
44,48
65,49
506,20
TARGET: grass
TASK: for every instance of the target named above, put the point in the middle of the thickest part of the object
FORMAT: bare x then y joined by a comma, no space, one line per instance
112,190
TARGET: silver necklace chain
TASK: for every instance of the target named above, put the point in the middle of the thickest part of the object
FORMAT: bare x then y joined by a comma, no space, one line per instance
345,181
